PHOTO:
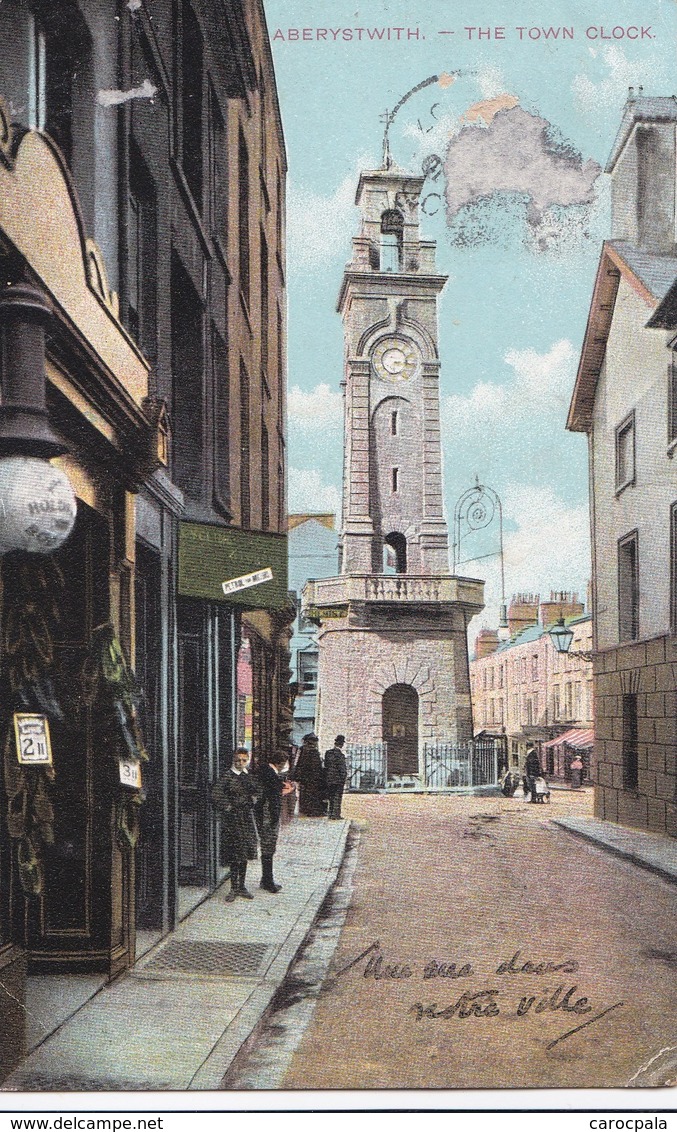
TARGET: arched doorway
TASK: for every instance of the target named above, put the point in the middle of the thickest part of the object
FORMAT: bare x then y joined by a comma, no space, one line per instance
400,728
395,550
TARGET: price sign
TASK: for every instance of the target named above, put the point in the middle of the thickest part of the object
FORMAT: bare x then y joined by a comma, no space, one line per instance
33,746
130,773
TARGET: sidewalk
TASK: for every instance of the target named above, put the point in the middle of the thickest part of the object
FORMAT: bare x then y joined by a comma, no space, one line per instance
652,851
177,1020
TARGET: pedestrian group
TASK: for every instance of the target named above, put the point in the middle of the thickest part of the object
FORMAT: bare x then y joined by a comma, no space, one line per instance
250,805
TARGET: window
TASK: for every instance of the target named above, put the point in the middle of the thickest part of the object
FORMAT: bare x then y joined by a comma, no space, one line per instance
577,702
625,453
673,568
501,676
393,423
187,368
245,500
528,711
392,223
221,394
243,215
265,479
534,668
218,173
264,303
516,708
630,759
672,400
628,587
191,101
308,671
556,705
395,478
142,258
568,701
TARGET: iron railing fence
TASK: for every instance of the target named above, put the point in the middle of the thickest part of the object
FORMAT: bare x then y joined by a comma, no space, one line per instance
446,766
367,767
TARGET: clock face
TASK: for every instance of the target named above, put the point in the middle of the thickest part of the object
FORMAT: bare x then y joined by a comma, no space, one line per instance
395,360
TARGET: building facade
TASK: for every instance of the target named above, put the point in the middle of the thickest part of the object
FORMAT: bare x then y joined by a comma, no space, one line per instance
527,693
393,665
313,553
625,399
142,174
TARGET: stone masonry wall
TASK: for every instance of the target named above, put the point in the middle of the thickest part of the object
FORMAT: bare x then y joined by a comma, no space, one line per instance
358,665
647,669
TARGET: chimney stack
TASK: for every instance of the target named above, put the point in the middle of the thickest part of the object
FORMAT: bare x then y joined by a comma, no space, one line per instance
522,612
486,643
561,604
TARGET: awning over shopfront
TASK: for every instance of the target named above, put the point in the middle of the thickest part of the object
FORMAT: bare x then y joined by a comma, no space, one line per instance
211,555
578,737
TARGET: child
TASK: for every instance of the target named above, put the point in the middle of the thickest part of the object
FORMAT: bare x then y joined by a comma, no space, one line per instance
267,815
234,795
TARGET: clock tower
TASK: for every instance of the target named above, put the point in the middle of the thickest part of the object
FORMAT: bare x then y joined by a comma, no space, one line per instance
393,663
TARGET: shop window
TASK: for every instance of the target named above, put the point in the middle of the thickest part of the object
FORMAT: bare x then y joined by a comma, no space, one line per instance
628,587
625,453
630,753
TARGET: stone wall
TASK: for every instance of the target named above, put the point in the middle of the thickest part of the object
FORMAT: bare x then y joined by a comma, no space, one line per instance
358,665
646,669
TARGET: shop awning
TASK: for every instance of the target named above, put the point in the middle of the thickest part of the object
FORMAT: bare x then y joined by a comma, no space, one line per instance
211,555
579,737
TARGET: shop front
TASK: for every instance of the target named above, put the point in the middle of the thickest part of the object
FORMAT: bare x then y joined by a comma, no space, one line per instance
234,631
70,818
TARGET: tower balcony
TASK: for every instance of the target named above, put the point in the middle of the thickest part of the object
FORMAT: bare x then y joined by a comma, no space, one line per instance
329,595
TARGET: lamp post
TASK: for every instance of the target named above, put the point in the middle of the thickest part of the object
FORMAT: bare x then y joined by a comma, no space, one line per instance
561,637
476,509
37,502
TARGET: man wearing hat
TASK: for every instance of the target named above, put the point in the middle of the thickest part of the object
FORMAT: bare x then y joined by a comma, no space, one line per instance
336,772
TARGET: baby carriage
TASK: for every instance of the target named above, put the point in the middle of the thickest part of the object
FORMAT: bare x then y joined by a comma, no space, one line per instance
540,791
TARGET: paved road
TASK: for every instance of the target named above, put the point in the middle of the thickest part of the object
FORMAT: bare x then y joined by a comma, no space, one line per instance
477,883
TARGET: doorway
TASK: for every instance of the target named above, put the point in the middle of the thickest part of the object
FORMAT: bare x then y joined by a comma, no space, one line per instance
400,728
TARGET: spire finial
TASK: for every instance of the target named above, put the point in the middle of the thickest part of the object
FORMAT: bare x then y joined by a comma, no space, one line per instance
387,156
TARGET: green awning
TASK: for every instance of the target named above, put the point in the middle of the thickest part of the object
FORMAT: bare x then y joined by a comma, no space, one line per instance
210,556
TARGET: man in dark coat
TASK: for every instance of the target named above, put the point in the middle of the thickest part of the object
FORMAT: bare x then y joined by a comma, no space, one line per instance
533,771
309,773
336,772
267,816
234,796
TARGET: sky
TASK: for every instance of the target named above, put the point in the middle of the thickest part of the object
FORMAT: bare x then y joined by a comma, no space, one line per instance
514,134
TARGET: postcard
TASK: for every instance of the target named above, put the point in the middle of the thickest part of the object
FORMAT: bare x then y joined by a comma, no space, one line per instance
338,547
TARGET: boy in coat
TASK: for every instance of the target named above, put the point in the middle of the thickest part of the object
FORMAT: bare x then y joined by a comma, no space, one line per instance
234,796
267,815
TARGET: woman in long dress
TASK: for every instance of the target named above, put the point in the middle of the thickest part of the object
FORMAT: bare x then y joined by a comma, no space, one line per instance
309,773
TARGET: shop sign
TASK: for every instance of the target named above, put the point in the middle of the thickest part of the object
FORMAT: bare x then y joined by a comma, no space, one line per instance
247,581
325,613
33,746
130,773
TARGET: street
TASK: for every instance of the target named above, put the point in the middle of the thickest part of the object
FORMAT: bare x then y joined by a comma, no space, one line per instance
484,947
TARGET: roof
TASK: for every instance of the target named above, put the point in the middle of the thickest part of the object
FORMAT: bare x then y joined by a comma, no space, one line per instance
325,518
652,277
582,738
662,109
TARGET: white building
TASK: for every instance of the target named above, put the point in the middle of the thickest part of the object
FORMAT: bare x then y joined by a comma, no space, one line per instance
625,399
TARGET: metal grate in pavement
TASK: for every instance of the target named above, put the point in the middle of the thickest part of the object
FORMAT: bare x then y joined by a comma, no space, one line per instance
207,957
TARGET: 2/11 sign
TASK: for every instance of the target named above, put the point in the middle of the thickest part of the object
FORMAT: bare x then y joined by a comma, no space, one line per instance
33,746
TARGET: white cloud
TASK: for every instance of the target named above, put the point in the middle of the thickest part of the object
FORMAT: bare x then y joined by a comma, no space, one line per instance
612,90
540,389
307,492
320,408
490,81
319,228
548,549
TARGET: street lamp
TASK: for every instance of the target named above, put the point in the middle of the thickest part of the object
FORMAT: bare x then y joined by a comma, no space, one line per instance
562,637
37,502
